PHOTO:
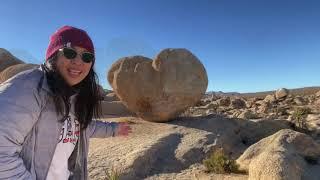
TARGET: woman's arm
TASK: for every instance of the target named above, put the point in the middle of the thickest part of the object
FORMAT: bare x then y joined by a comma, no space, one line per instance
99,129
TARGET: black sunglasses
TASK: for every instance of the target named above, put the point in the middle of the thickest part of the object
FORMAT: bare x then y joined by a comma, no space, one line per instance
70,53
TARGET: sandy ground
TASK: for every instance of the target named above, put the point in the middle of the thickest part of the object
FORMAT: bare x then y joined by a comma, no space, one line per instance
142,155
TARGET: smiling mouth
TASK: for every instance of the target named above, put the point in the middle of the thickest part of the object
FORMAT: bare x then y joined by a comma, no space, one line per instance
74,72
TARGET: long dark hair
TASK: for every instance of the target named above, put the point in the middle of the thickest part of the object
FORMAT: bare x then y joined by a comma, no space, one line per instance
87,103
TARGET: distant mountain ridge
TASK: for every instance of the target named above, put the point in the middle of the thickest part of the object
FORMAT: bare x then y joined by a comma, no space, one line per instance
296,91
221,93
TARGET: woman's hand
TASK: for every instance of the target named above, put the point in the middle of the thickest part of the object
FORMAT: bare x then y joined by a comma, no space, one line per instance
123,129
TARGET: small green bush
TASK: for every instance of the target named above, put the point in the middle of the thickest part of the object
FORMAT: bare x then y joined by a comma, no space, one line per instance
299,117
112,174
219,163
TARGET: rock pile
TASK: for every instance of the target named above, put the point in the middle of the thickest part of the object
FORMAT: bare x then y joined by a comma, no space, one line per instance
15,69
280,105
10,65
7,59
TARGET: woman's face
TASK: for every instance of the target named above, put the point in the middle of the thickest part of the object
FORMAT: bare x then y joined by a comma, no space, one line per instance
74,70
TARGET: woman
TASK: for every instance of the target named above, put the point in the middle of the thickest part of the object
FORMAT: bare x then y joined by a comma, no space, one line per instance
46,113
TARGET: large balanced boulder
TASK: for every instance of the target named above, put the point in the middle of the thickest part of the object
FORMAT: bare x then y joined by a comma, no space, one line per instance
286,155
15,69
281,93
158,90
7,59
114,108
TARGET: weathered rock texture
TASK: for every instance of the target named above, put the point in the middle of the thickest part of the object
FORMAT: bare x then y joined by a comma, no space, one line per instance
115,108
286,155
281,93
158,90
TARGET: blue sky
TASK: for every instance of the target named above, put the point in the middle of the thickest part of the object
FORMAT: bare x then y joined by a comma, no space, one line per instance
245,45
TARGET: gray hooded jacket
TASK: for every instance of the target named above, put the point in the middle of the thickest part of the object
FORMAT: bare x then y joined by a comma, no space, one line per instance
30,129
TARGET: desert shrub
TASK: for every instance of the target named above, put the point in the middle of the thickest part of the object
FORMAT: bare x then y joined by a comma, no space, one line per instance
299,117
219,163
112,174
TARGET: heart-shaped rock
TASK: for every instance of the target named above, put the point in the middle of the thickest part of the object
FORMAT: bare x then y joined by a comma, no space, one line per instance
158,90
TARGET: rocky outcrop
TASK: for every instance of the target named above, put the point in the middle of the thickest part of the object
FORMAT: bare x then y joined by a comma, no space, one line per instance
115,108
268,107
248,114
224,101
158,90
7,59
270,98
15,69
300,101
169,150
286,155
238,103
